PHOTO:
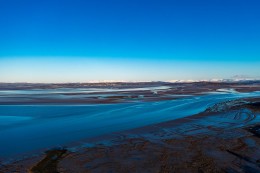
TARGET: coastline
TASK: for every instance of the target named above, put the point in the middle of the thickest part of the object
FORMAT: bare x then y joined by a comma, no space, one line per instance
216,140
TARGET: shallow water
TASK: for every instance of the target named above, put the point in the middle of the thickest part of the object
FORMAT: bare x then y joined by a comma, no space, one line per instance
25,128
67,94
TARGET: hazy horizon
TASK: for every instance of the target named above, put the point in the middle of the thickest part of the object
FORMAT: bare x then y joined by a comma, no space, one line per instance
149,40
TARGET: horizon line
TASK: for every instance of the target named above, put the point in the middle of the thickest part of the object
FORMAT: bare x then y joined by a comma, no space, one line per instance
152,81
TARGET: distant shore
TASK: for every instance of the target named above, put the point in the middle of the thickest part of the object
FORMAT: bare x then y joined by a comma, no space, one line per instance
106,93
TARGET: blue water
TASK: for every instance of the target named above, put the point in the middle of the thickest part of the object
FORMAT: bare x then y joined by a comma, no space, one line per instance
25,128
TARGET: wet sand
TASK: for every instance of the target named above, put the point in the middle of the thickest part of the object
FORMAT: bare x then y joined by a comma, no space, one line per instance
109,93
224,138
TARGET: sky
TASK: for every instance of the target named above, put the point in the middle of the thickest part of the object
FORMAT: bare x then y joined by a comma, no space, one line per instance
128,40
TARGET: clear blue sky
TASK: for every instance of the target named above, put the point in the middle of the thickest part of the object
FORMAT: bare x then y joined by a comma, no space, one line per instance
140,40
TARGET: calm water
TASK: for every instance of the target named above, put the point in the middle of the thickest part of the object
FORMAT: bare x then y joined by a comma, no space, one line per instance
25,128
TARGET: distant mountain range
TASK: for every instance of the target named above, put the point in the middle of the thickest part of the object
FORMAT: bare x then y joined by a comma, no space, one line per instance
213,80
237,78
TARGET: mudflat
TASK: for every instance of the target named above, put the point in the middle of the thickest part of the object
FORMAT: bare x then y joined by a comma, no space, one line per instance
221,137
107,93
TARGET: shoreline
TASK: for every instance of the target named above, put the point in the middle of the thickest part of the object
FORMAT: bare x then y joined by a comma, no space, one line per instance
155,141
111,93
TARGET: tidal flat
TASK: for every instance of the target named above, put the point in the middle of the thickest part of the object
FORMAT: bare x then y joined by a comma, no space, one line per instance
130,127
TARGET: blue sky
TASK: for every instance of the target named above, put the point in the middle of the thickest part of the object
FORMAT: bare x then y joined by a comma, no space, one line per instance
136,40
